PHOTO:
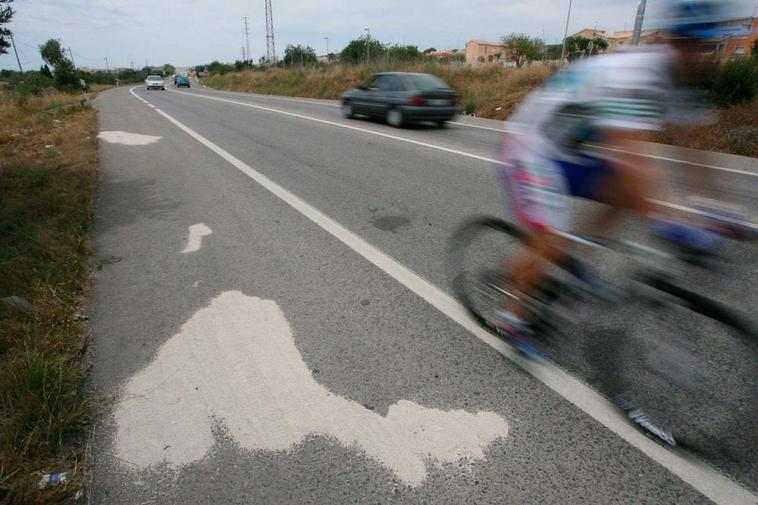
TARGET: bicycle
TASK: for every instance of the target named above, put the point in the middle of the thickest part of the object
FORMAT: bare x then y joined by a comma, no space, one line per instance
684,370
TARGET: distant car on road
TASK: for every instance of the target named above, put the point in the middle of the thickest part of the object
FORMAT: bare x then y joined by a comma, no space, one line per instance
155,82
182,81
401,98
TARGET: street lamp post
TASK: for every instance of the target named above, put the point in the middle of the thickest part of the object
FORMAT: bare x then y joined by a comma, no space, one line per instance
565,34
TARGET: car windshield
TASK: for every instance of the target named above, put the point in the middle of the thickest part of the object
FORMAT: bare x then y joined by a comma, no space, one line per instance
154,78
424,82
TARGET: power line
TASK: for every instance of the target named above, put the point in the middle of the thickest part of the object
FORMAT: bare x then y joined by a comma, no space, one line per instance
26,44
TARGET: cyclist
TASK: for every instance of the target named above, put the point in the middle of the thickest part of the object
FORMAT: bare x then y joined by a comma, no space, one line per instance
609,100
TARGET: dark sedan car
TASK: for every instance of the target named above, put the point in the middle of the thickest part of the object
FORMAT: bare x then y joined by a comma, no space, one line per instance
401,98
182,81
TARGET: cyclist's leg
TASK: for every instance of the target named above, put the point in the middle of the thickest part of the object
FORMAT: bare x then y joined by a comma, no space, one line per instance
621,186
525,271
536,193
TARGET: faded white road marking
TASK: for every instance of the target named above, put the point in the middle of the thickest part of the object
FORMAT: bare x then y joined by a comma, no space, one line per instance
196,234
126,138
702,477
236,361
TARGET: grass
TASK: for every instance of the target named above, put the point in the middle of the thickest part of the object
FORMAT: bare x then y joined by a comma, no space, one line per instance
487,91
735,131
48,161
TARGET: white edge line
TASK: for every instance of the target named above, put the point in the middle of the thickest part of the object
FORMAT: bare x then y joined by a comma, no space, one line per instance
746,224
505,130
697,474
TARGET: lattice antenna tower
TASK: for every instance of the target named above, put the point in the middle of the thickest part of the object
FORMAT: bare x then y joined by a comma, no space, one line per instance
270,46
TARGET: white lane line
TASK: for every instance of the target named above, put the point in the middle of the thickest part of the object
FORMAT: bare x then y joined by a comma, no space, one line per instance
697,474
676,160
482,127
411,141
505,130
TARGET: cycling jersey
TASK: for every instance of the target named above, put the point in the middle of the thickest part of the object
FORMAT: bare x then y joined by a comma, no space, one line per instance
545,162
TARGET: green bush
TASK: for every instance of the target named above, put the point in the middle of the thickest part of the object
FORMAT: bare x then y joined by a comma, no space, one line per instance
28,83
736,82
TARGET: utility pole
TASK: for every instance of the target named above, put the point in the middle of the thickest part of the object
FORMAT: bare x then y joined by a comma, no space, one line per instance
72,57
565,34
243,54
327,48
107,65
270,46
16,52
368,44
247,43
638,23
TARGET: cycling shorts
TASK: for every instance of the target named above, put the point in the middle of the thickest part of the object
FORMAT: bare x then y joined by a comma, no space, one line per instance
538,188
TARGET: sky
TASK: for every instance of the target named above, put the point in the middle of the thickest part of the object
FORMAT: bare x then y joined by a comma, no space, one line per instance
191,32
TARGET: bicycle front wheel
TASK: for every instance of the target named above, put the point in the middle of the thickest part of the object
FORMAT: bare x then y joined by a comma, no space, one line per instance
689,373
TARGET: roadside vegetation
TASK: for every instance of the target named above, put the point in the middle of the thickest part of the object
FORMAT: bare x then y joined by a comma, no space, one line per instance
48,163
489,91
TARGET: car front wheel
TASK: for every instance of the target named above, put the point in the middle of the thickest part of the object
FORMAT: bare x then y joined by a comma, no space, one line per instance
347,110
395,118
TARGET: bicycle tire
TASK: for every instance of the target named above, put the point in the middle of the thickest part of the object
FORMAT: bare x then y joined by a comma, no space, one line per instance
693,369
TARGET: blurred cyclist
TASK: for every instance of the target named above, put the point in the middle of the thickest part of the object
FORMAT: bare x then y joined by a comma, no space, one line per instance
608,100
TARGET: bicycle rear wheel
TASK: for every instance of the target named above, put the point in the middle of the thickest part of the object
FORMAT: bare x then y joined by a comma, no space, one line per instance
688,372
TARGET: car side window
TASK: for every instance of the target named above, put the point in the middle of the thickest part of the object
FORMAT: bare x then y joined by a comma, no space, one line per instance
372,83
391,83
386,83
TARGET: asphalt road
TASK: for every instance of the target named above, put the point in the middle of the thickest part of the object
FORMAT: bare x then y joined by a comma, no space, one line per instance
271,318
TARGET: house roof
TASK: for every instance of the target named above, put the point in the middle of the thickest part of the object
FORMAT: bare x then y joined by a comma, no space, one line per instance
485,43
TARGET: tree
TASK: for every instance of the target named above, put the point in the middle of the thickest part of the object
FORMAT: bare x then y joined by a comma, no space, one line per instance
430,50
6,13
553,51
45,70
297,55
355,51
64,75
403,53
576,47
169,69
522,48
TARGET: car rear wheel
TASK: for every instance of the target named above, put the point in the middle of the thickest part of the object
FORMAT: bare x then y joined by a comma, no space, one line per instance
395,118
441,123
347,110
